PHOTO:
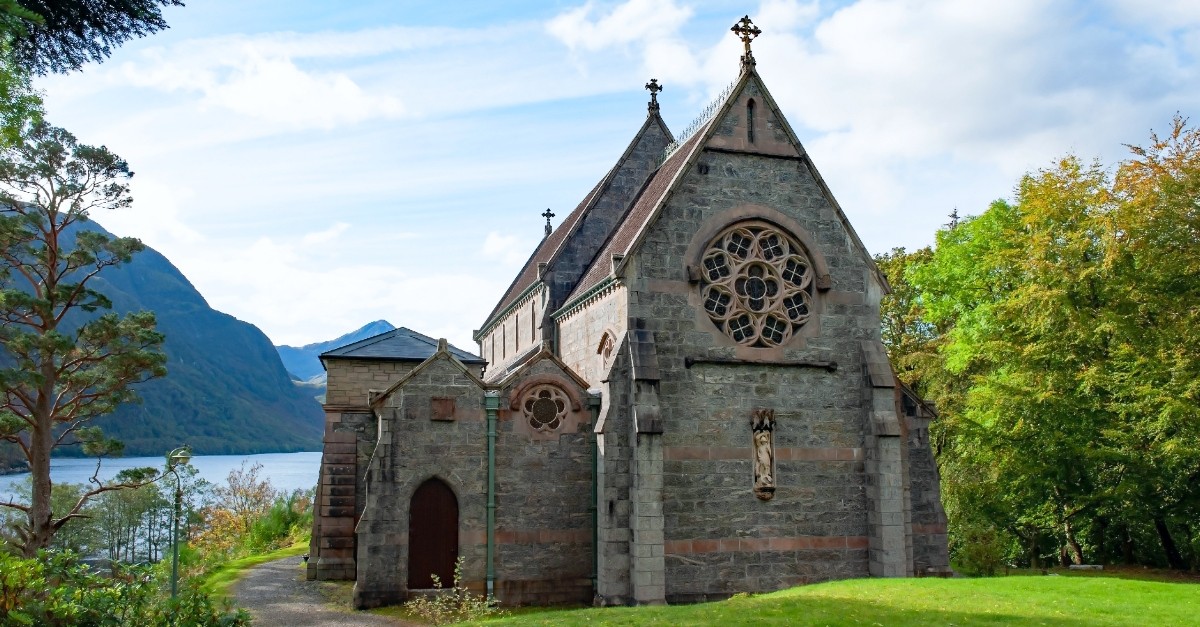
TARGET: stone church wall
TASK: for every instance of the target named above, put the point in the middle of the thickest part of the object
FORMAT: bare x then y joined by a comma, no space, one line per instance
543,496
719,538
580,333
349,440
614,481
414,445
930,556
514,336
348,380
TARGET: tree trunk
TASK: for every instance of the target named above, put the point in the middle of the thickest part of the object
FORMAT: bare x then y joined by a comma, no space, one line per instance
1126,545
1076,550
1168,543
41,442
1034,561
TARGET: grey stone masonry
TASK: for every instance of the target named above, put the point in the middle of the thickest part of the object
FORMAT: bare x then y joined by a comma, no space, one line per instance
751,434
417,443
613,432
889,517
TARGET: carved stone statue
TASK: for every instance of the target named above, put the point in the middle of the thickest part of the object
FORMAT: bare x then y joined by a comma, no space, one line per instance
763,424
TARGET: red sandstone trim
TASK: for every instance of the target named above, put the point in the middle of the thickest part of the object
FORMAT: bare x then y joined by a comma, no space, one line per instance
745,545
933,528
782,453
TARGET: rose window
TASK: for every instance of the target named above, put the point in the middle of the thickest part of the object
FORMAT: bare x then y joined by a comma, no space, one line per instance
545,408
756,284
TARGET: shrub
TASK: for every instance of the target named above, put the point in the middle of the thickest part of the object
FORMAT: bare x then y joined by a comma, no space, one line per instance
980,550
454,605
55,589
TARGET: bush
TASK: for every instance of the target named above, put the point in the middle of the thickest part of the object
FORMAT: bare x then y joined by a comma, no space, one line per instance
288,519
55,589
980,550
454,605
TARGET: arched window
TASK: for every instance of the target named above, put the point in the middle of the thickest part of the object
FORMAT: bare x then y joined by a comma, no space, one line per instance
750,121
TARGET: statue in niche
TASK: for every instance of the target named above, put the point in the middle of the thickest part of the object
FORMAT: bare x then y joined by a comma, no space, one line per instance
762,424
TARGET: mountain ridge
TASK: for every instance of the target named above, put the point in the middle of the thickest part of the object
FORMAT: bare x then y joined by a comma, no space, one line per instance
226,390
303,363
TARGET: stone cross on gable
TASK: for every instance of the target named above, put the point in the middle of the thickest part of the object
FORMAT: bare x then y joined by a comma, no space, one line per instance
654,88
548,214
746,31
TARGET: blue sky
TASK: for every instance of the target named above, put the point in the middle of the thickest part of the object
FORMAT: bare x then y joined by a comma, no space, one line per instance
313,166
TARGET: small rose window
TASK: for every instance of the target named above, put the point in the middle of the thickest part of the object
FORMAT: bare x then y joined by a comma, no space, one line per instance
545,407
756,284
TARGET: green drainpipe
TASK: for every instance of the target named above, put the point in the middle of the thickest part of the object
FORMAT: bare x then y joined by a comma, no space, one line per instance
594,406
491,402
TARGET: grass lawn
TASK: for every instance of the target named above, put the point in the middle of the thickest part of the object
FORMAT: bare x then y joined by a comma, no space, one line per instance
1029,600
218,581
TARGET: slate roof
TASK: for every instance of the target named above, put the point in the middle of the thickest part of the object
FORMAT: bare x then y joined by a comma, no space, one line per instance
545,251
643,208
550,246
398,345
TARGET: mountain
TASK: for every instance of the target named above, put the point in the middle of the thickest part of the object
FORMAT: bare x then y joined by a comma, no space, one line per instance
302,362
226,391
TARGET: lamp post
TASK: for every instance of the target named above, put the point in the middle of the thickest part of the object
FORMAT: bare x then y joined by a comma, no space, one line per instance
176,458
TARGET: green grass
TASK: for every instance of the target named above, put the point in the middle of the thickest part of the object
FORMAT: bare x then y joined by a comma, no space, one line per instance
219,580
1032,600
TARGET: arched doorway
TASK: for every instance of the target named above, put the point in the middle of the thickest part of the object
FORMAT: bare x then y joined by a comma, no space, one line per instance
432,535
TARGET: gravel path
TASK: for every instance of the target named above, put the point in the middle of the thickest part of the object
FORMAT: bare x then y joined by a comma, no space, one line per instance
277,595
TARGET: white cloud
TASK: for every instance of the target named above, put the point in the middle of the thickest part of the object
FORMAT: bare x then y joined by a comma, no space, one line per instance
253,150
627,23
510,250
324,237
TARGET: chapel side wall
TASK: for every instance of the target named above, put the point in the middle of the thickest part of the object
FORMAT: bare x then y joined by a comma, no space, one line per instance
543,498
614,527
930,555
349,439
516,333
579,334
719,538
348,381
415,445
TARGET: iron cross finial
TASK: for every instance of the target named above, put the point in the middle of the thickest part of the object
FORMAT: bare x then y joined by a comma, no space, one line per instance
746,31
654,88
548,214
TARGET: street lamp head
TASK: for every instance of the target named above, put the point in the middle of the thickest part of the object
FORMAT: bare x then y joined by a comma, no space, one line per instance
179,456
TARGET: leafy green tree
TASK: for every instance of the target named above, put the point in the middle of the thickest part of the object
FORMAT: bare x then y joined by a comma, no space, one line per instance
64,362
61,35
1068,317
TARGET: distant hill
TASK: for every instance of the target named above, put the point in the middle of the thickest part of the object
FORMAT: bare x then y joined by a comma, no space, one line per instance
226,391
303,364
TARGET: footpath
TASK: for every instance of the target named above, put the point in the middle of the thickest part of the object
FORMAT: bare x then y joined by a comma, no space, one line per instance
277,595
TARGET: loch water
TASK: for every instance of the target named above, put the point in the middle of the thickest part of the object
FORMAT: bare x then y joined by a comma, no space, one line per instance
286,471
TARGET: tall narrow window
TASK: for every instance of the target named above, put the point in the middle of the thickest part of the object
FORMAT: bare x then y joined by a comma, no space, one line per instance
516,332
533,323
750,120
503,341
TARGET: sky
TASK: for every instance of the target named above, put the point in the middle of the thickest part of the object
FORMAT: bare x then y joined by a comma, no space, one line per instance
313,166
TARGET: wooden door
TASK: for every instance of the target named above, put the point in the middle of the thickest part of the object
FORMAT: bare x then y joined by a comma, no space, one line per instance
432,535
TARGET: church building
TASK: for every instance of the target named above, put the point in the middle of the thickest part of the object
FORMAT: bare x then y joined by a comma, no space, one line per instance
681,396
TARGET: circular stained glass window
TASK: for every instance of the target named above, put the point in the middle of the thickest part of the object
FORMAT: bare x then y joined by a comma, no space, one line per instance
756,284
545,407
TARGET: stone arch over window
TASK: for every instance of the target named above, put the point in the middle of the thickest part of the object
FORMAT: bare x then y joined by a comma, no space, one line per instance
757,277
546,406
606,347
